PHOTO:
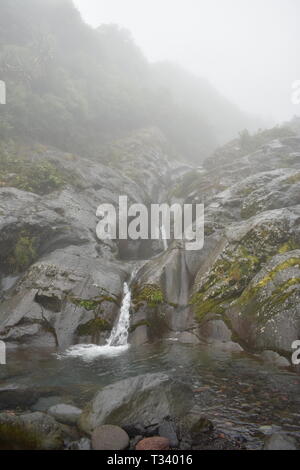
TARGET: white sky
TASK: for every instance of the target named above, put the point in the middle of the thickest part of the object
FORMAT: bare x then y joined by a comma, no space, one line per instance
248,49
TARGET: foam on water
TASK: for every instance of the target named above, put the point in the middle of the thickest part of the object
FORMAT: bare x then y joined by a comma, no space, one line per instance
117,343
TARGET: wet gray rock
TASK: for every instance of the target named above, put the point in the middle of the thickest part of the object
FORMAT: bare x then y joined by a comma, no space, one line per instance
67,261
267,316
168,429
139,336
192,427
187,337
280,441
274,358
215,330
65,414
13,396
109,437
83,444
63,280
44,403
143,400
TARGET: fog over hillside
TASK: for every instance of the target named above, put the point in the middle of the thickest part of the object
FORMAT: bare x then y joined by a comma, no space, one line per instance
77,87
248,49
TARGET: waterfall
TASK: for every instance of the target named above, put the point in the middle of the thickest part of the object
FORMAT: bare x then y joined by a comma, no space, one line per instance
164,237
119,334
118,340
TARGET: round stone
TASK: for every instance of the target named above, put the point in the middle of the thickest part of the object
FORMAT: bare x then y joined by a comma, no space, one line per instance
108,437
153,443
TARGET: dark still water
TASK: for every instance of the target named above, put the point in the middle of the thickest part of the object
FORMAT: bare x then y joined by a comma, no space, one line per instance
242,396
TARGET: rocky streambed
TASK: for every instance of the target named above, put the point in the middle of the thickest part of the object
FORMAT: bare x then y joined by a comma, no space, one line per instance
196,397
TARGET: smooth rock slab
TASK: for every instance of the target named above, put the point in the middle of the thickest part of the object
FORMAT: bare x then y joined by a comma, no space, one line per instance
153,443
65,414
109,437
145,400
280,441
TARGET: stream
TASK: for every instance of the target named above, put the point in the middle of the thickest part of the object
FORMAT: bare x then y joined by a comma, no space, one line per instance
244,398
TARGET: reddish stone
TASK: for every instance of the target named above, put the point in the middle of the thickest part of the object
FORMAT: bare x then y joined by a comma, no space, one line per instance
153,443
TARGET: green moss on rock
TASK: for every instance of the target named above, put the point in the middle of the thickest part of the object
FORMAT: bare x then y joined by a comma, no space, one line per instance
38,175
254,290
225,282
293,179
16,437
94,303
93,327
24,253
149,293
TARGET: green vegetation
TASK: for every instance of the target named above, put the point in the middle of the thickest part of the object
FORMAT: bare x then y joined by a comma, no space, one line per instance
97,325
93,327
226,281
95,303
293,179
149,293
291,245
253,291
265,308
24,253
250,143
291,262
34,175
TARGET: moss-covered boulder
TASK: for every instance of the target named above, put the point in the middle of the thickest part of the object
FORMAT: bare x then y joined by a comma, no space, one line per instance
30,431
267,314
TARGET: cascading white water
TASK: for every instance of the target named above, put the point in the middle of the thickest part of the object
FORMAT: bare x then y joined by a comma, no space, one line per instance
118,340
164,237
119,334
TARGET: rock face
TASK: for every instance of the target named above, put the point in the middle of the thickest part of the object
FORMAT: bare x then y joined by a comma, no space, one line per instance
109,437
35,431
145,400
60,285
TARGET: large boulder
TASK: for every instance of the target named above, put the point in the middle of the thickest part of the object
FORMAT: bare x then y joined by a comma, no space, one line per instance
252,282
267,315
144,400
30,431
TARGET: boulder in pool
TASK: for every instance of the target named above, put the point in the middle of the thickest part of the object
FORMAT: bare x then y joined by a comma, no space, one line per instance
145,400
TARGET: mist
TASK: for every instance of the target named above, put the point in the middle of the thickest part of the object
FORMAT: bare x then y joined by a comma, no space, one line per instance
247,49
149,227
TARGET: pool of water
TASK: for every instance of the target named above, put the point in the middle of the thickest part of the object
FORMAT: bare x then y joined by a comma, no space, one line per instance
241,395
